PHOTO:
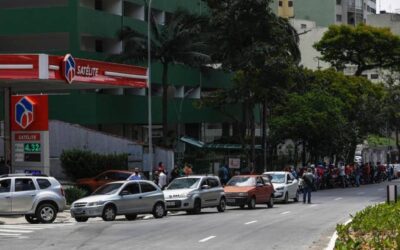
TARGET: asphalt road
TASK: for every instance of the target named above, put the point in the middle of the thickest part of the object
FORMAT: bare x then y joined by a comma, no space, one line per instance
286,226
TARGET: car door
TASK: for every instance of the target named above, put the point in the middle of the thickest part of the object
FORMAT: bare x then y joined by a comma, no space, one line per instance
131,199
261,191
150,195
291,185
5,196
24,194
204,192
214,191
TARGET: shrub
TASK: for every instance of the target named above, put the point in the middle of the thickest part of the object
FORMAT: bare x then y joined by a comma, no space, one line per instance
73,193
81,164
375,227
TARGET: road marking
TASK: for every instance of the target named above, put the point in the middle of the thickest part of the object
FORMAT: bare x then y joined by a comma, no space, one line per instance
250,222
361,193
20,227
339,198
14,231
206,239
287,212
313,205
4,234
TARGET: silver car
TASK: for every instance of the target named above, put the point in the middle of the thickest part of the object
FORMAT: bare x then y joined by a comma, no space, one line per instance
193,193
128,198
39,198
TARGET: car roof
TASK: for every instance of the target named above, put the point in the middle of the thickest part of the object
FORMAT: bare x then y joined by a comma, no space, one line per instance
248,175
118,171
23,175
277,172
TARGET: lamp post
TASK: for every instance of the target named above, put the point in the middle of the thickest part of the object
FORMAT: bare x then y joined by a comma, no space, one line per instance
150,128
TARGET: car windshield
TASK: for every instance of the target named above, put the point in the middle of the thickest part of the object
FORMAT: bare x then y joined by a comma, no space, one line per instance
108,189
184,183
242,181
277,178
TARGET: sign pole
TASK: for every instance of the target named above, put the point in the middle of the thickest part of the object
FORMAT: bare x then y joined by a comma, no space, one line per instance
7,129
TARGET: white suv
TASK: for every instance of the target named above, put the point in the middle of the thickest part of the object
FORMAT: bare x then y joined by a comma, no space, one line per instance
193,193
37,197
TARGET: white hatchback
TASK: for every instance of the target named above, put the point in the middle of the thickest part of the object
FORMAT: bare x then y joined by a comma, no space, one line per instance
285,185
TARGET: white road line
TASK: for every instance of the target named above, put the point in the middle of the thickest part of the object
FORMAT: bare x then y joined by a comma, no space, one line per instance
287,212
313,205
23,228
206,239
339,198
4,234
361,193
14,231
250,222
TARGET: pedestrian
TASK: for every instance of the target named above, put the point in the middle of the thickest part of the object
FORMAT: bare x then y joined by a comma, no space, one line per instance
136,175
187,170
308,183
162,179
223,174
357,174
156,177
342,175
175,173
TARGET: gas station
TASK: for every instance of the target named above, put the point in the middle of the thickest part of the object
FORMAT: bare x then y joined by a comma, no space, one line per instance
26,79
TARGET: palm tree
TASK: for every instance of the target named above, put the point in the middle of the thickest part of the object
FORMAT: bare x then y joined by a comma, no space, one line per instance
177,42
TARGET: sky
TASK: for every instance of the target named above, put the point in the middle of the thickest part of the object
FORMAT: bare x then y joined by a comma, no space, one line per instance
388,5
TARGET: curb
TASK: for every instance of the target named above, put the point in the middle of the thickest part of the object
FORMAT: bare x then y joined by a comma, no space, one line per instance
334,237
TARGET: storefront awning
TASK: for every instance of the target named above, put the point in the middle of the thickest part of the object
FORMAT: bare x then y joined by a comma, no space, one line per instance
203,145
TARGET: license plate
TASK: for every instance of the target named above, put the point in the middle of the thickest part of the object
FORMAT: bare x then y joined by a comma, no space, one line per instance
170,203
230,200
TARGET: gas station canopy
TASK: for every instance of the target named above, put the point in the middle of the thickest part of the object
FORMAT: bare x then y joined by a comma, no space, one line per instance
46,73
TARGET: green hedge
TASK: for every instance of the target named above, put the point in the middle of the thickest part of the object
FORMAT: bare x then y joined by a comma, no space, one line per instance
376,227
81,164
73,193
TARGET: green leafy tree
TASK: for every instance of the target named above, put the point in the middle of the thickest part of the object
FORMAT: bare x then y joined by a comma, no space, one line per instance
177,42
364,46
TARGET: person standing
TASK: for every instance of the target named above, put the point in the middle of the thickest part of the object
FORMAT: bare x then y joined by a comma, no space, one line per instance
162,179
136,175
175,173
223,174
308,183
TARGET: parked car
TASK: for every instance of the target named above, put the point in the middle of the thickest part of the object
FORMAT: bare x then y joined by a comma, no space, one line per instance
193,193
128,198
91,184
285,185
249,190
39,197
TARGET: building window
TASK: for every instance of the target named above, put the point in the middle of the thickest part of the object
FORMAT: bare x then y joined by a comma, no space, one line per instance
98,4
338,2
99,45
338,18
290,3
303,26
374,76
280,4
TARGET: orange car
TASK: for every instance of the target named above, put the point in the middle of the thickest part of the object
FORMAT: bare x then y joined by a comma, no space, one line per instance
91,184
249,190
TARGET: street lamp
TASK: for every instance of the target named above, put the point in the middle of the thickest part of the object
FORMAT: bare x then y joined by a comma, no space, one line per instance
150,129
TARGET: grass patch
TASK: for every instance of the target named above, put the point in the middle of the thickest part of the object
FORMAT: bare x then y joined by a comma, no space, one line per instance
375,227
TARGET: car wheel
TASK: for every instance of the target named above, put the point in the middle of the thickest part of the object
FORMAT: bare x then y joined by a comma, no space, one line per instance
109,213
252,203
158,210
81,219
31,219
270,203
296,198
197,206
46,213
131,216
222,205
241,206
286,199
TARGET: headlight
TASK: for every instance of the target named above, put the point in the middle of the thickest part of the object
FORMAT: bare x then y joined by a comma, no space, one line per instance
97,203
185,195
280,188
242,194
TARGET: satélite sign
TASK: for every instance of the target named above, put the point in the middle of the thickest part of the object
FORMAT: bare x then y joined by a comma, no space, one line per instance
29,113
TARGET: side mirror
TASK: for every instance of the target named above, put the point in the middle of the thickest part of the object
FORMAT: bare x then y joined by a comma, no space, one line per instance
289,181
124,192
259,185
205,187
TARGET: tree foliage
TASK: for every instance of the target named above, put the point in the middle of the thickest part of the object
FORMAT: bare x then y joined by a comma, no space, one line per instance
364,46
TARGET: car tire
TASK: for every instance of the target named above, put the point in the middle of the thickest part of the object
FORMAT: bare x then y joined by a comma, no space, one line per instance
46,213
158,210
252,203
222,205
81,219
197,206
297,197
270,203
130,216
31,219
286,198
109,213
241,206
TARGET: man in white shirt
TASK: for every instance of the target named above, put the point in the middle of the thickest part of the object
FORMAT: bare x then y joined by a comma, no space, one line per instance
162,179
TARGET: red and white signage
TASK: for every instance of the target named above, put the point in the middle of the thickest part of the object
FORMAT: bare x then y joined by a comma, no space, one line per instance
71,70
27,137
29,113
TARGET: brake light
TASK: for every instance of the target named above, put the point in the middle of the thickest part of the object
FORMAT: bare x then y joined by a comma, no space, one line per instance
62,192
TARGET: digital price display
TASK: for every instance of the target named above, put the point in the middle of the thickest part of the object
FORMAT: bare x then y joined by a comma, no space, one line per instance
32,147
